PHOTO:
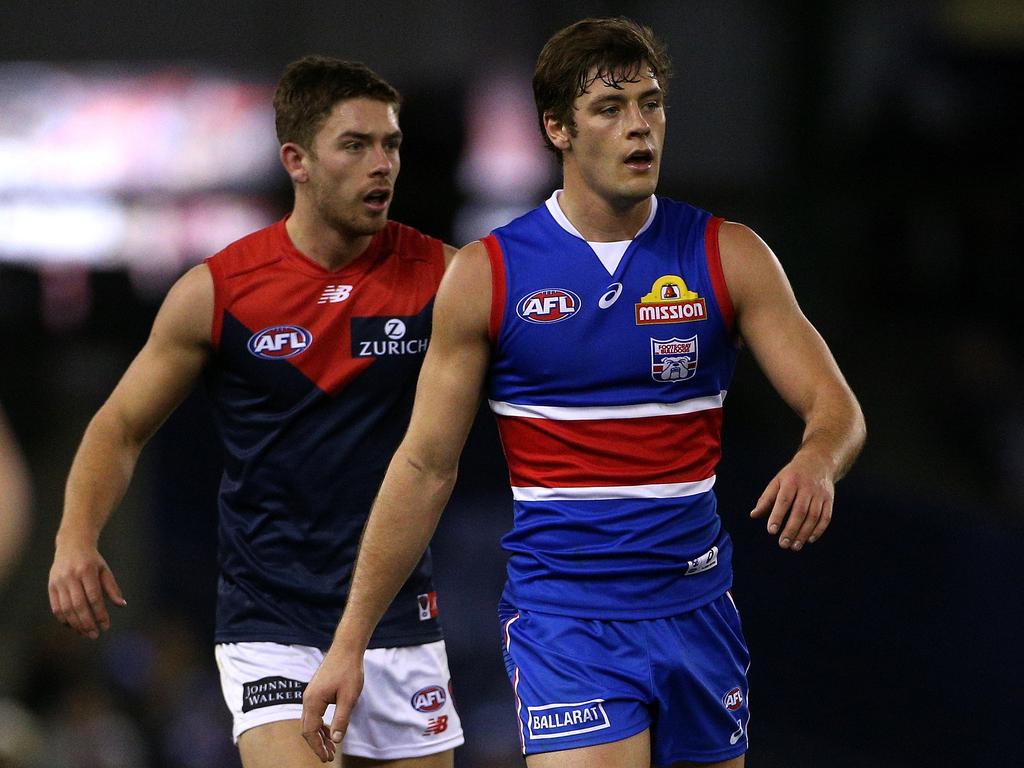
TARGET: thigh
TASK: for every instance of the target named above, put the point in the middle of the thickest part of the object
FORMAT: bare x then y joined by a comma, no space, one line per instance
277,745
280,745
439,760
699,664
736,762
577,683
631,752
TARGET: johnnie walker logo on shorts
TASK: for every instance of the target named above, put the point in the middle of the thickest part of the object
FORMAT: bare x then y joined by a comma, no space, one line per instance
270,691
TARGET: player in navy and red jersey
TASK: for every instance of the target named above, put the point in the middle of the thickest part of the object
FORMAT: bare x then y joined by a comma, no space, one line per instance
603,328
310,335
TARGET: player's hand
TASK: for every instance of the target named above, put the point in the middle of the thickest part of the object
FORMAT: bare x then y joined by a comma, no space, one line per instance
339,682
799,499
80,579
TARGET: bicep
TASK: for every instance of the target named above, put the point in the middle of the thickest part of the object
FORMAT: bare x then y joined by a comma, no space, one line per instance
785,344
450,383
168,365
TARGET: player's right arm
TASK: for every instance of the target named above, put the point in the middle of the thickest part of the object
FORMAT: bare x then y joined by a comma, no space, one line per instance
157,380
415,490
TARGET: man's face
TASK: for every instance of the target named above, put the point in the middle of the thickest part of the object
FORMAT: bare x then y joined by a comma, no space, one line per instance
353,166
619,136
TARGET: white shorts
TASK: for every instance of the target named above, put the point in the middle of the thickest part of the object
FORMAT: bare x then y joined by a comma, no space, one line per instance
405,710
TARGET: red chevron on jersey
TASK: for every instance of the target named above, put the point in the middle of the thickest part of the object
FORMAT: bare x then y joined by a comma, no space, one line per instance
271,288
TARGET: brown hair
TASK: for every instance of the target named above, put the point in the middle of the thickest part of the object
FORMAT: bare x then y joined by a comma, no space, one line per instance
312,85
616,47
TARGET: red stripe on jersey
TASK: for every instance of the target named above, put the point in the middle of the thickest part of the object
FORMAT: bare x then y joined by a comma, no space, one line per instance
611,452
714,259
497,287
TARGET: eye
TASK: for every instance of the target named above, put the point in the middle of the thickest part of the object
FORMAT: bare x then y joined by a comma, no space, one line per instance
610,110
352,146
653,104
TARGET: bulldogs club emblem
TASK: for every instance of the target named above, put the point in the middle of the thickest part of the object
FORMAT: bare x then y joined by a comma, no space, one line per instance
673,359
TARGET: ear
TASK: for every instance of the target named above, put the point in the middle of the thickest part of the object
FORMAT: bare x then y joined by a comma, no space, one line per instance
558,132
293,158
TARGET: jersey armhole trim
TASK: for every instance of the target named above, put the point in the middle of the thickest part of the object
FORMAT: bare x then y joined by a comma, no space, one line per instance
497,315
717,275
439,264
219,303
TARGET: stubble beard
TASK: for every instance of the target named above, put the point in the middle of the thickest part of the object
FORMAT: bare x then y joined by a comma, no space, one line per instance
347,219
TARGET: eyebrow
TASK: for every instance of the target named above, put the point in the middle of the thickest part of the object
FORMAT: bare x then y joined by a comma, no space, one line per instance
366,136
618,96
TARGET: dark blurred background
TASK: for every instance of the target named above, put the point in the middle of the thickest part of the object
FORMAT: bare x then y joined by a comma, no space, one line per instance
876,146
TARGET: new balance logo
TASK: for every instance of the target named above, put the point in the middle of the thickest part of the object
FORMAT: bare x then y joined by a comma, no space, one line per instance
436,725
333,294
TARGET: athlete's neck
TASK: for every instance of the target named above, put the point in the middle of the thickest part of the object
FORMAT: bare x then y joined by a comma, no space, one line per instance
322,243
601,220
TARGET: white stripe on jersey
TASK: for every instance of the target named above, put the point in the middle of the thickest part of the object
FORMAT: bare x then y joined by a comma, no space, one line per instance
597,412
657,491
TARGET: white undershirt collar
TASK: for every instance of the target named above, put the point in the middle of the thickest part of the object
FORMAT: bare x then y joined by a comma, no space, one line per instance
609,254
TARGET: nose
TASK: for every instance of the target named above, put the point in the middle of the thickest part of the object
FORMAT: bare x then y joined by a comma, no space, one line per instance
638,125
383,161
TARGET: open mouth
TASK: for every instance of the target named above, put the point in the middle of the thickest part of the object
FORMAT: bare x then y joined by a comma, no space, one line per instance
640,159
378,199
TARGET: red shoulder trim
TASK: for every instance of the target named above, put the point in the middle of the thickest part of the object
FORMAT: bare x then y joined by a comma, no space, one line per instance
439,265
714,260
219,302
497,286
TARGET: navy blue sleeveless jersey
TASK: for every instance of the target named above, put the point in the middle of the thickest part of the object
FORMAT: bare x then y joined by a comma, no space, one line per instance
312,380
608,393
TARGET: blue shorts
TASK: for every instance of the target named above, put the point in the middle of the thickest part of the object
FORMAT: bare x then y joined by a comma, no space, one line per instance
581,682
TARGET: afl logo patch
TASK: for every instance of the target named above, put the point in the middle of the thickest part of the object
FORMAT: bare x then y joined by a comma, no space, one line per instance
733,700
429,699
551,305
279,342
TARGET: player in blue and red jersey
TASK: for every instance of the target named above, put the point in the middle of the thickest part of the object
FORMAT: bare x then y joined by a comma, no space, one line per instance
603,328
310,335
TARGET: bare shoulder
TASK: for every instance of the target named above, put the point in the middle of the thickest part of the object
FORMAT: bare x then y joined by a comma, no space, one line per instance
750,267
464,298
742,250
186,316
470,270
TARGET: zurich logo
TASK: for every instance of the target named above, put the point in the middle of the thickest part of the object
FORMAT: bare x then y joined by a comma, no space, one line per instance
280,342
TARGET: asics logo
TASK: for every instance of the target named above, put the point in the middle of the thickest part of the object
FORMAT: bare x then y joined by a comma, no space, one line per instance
610,296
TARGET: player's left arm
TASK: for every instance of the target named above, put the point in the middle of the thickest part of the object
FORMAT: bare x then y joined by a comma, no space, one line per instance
796,360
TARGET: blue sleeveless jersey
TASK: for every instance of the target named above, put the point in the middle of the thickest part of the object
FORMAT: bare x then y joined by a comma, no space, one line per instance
608,393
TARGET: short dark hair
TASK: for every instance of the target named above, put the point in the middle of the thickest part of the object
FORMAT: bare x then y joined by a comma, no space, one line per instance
312,85
617,47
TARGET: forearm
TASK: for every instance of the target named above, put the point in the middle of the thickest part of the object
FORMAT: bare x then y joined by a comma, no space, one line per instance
400,526
98,480
15,500
835,431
